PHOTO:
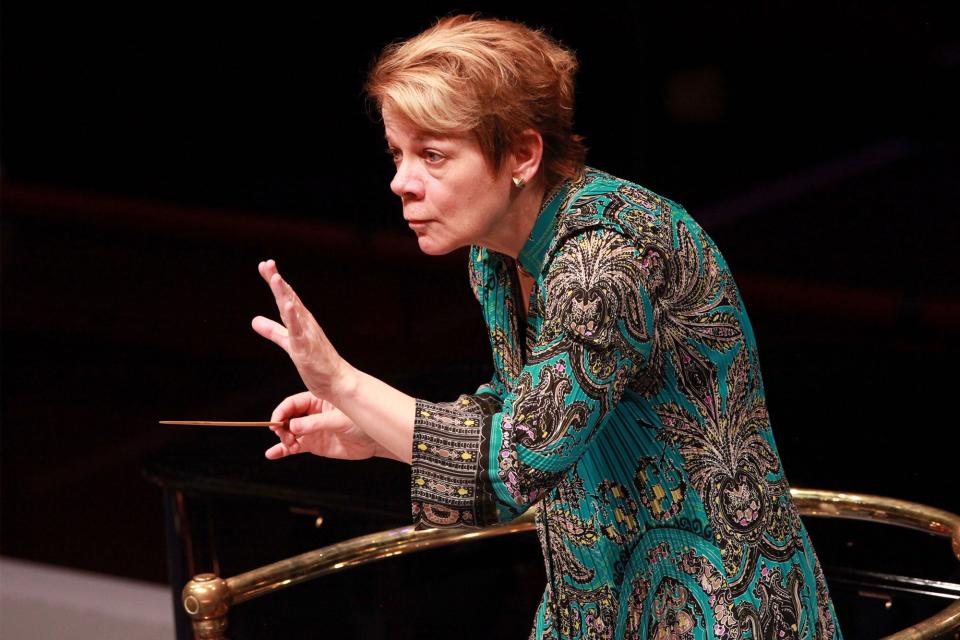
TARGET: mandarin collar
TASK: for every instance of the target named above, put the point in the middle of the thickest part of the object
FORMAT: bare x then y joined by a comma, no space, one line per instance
533,251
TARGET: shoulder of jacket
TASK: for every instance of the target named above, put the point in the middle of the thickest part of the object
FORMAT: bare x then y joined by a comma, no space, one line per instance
600,200
603,200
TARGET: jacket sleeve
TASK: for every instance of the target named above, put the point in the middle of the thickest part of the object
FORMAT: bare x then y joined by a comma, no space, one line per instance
485,458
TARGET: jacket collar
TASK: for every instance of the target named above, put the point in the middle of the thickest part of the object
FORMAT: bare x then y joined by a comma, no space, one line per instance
536,247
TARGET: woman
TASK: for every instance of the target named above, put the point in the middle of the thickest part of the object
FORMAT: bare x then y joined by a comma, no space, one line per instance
627,399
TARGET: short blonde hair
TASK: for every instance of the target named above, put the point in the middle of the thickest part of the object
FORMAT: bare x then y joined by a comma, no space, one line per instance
491,77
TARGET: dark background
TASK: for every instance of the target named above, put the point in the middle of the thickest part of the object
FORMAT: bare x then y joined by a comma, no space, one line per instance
152,155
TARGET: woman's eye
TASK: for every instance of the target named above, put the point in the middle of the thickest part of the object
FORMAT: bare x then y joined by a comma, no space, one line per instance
432,157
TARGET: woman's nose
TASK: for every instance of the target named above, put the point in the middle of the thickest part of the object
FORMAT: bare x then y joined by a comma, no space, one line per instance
406,183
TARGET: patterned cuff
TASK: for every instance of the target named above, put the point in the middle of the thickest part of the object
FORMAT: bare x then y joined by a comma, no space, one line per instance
448,484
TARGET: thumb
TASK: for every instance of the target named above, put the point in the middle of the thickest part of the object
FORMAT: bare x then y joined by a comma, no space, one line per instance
273,331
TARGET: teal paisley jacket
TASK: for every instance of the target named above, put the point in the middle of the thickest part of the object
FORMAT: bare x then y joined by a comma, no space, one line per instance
629,405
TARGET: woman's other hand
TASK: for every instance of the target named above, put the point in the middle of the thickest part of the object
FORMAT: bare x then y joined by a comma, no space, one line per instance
322,369
316,426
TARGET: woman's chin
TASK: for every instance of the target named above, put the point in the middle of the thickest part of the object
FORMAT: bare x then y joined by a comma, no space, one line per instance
431,247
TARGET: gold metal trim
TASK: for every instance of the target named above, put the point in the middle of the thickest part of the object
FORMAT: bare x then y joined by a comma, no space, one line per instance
207,598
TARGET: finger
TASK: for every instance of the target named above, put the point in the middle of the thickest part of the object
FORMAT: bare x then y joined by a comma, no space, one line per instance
271,272
285,303
311,424
287,439
267,268
282,449
273,331
293,312
283,432
278,451
277,287
293,320
295,406
283,290
288,302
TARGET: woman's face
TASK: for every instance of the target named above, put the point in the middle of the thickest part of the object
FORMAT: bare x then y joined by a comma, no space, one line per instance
451,198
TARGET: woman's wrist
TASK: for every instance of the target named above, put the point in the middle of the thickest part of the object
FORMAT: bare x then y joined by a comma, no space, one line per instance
384,413
343,386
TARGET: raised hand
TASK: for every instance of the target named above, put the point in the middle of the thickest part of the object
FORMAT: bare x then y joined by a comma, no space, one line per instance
320,366
373,406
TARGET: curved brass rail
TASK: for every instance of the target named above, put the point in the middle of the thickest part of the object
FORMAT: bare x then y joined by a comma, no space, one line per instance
207,598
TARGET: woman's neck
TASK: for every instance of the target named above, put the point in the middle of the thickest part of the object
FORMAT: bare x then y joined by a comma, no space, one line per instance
511,235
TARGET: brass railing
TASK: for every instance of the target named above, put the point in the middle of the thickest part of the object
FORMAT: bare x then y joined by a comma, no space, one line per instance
207,598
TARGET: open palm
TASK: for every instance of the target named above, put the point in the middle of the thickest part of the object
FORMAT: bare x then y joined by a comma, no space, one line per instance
319,364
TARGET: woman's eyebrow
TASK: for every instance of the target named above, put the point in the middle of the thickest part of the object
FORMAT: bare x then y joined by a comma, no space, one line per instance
421,137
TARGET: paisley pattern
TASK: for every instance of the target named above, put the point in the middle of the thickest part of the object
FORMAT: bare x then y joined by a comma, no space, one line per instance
628,403
676,613
730,463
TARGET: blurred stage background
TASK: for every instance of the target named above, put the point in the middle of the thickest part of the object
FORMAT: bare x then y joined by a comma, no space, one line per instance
153,154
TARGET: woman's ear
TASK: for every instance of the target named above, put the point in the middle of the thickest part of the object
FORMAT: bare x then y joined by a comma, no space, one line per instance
526,154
